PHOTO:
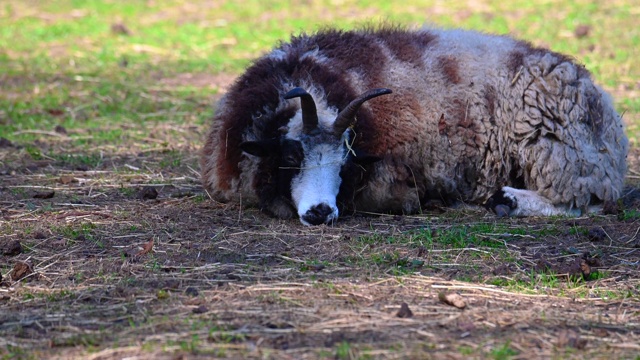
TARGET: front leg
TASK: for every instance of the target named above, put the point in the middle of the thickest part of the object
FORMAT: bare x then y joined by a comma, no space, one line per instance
519,202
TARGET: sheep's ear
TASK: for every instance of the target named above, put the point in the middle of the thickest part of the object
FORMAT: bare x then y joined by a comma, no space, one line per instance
363,158
262,148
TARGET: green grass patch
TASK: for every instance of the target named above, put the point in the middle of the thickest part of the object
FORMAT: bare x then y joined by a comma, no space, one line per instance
503,352
398,265
87,65
343,351
79,233
490,235
89,160
630,215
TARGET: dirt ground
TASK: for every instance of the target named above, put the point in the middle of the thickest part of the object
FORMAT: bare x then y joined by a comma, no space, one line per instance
129,258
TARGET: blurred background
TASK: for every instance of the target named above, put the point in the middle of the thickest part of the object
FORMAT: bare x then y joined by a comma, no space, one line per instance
96,69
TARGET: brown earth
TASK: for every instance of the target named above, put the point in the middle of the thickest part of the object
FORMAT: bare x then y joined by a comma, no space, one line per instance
130,258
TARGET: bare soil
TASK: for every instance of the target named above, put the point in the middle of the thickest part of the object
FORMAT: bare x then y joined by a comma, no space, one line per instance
130,259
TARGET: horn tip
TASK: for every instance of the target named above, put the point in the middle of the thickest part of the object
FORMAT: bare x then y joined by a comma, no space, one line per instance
295,92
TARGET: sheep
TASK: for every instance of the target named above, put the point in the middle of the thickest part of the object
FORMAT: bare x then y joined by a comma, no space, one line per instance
387,120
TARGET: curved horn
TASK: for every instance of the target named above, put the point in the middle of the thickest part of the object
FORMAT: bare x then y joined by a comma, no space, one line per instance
347,116
309,112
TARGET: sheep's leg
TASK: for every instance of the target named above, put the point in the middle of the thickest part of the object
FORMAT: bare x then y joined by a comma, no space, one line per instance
518,202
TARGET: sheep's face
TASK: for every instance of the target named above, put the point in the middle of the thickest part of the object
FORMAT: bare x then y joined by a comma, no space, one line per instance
312,159
310,171
315,187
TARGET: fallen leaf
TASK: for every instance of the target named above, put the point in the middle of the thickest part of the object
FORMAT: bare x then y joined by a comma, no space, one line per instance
162,294
146,248
20,270
585,268
66,179
452,299
317,267
563,339
120,29
11,248
55,112
582,31
44,195
60,129
194,302
600,332
571,339
578,342
200,310
404,311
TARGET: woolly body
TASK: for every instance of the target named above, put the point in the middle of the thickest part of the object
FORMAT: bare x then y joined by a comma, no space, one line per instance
470,114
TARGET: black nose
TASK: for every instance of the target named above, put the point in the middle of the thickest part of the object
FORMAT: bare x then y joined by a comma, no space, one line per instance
318,214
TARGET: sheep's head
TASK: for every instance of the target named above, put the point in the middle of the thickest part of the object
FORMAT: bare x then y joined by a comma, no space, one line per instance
311,160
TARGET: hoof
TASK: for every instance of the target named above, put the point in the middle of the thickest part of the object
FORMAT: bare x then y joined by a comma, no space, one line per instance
502,210
501,203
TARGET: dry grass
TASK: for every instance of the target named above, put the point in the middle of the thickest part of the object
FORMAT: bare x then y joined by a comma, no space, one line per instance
99,117
226,281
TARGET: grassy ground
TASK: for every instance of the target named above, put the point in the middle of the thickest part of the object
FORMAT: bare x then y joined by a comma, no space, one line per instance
100,102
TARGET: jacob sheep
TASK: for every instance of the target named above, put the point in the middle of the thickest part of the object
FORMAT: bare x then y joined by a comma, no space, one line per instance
386,119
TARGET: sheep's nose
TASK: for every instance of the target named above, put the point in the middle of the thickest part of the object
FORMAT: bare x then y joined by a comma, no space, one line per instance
318,214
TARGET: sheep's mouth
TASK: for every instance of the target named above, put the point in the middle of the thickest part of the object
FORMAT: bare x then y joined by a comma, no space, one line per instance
282,208
322,213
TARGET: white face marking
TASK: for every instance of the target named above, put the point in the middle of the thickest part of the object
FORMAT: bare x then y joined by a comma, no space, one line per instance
319,180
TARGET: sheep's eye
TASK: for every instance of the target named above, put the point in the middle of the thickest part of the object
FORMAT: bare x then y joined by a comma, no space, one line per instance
291,160
291,154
